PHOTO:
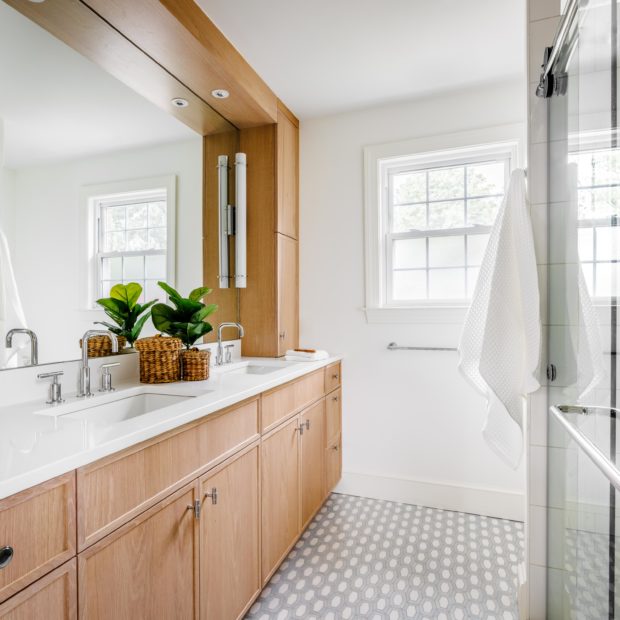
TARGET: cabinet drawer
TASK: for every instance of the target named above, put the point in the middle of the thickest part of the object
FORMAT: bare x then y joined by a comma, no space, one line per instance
333,377
333,418
54,597
39,527
115,489
226,432
290,398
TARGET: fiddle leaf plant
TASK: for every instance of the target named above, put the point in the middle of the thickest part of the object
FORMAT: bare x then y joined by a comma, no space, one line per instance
123,308
185,319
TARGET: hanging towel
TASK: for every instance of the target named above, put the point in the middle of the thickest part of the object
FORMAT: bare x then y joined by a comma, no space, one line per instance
11,310
500,344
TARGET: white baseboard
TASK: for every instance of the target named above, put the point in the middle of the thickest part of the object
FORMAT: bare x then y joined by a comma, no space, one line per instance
489,502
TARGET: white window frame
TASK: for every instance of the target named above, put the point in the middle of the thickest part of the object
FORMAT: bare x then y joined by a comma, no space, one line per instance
481,145
91,197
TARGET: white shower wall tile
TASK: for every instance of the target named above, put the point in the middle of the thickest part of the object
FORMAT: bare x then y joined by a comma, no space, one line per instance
537,173
538,418
537,115
538,215
538,592
537,539
537,475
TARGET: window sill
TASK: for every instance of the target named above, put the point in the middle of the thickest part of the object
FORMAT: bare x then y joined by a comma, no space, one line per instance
426,315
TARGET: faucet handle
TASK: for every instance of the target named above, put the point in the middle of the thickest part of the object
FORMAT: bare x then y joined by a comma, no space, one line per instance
55,387
106,377
229,351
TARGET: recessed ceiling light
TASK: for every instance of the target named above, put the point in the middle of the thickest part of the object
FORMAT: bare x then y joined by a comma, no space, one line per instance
220,93
177,102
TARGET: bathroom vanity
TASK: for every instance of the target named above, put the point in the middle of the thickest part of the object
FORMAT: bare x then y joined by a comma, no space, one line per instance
184,511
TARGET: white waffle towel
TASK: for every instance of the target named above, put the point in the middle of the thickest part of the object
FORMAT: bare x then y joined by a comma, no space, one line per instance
500,344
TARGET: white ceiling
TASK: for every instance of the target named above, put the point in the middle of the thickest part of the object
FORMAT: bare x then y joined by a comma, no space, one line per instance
327,56
57,105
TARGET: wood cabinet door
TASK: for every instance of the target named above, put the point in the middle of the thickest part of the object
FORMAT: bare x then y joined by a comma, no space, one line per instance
280,505
288,175
288,294
333,415
333,464
146,569
53,597
312,460
229,538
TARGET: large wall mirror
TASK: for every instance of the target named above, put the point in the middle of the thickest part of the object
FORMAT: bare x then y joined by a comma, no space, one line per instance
98,186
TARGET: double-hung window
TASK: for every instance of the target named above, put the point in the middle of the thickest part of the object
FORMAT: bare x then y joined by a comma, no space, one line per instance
428,219
133,237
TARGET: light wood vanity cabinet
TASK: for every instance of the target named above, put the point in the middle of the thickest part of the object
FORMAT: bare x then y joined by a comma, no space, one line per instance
190,524
230,537
280,492
53,597
37,532
147,568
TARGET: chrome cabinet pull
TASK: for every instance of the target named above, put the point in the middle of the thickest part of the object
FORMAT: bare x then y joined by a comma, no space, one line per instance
6,555
195,507
212,495
336,376
300,428
335,448
335,398
307,425
282,335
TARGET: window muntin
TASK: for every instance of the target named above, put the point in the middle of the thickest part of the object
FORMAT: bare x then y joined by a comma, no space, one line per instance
436,220
598,208
132,241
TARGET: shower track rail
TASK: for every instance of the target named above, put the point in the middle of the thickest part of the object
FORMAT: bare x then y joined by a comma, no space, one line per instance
609,470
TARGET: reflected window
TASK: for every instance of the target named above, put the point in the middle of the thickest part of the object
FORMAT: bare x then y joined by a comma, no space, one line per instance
437,215
133,239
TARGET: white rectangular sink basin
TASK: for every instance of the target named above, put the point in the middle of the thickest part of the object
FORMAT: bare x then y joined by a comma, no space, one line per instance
250,368
126,408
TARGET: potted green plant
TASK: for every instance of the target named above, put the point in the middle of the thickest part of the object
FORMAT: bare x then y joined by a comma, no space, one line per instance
185,320
128,315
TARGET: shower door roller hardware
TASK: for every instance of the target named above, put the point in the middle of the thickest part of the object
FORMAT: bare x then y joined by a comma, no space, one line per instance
195,507
232,221
212,495
552,372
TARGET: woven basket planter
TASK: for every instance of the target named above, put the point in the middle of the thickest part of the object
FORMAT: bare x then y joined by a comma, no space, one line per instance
101,346
159,359
195,364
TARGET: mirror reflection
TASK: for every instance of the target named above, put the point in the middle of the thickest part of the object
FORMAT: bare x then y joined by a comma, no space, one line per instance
98,187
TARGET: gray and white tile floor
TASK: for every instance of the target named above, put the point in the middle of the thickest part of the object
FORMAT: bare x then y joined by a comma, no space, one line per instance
366,558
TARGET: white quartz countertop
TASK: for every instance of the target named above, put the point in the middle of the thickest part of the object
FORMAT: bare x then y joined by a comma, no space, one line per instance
37,444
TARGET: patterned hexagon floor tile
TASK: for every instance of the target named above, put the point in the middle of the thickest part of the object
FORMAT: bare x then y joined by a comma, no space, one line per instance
368,558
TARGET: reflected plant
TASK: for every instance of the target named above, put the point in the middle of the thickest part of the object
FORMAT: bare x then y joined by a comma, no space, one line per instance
123,308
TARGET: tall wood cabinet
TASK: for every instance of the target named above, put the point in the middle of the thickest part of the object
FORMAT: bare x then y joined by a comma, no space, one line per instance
269,306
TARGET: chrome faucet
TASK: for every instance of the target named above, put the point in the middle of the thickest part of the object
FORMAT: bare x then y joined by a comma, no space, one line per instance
219,358
84,391
34,343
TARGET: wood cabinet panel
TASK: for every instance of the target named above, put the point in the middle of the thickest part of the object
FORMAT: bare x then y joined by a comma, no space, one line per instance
53,597
333,415
230,538
280,479
285,400
333,464
224,433
115,489
312,460
287,173
39,525
333,377
288,294
148,568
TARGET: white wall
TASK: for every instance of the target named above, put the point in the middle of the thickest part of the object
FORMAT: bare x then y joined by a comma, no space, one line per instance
409,417
48,232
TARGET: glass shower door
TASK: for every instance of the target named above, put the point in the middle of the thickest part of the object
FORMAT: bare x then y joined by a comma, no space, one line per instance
583,290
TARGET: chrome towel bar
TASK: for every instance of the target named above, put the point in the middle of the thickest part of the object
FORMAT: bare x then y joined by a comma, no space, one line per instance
394,347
